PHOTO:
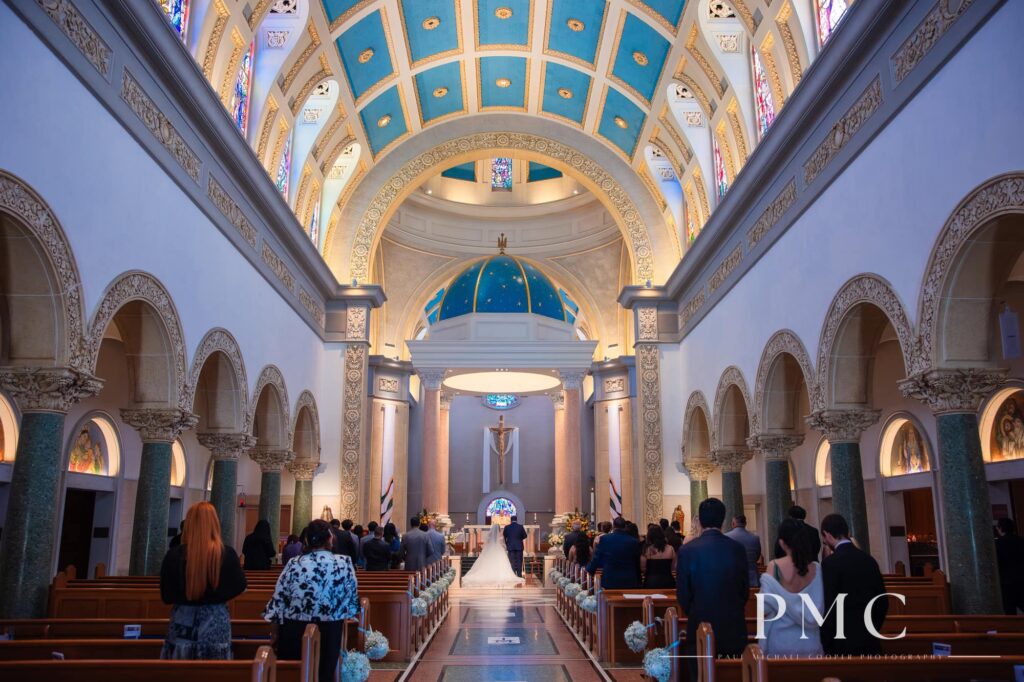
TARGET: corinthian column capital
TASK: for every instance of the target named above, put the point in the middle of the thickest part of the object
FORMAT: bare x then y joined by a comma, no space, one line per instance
842,426
731,460
303,469
953,390
271,459
159,425
572,380
226,446
699,468
775,445
431,378
48,389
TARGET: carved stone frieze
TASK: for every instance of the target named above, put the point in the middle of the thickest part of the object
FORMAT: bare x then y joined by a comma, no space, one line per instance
843,130
352,427
48,389
303,469
691,307
615,385
725,268
431,378
782,341
696,401
704,63
226,446
732,376
775,446
210,55
699,468
160,425
728,42
387,384
648,365
312,306
356,324
271,258
731,460
269,376
626,212
647,323
226,205
842,426
931,29
772,214
139,286
271,459
158,124
953,390
72,24
218,340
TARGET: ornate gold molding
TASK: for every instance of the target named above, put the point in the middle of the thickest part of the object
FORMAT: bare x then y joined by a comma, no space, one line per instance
789,43
733,110
844,130
314,80
768,57
268,124
772,214
311,306
213,44
723,142
705,207
300,61
725,268
354,393
704,63
80,32
231,73
158,124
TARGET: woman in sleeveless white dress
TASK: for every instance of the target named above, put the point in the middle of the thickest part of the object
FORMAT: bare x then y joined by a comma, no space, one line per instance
795,633
492,567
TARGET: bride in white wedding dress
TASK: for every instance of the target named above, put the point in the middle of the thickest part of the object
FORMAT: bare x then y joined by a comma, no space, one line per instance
492,567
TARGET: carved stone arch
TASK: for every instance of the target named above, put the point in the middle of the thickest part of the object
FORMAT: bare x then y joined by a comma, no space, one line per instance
865,288
306,404
696,404
136,285
999,196
782,341
20,200
732,376
219,340
270,376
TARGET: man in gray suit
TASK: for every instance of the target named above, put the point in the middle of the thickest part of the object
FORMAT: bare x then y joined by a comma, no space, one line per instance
751,545
416,551
437,541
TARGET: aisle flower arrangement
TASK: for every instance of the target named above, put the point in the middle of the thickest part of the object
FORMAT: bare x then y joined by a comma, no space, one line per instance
590,604
376,646
636,637
572,589
419,607
355,667
657,665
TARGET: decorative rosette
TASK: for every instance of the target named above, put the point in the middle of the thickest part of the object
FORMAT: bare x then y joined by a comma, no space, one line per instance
636,637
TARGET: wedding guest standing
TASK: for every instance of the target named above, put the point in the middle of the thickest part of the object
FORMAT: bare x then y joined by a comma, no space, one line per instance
618,557
658,560
437,541
258,547
371,527
853,572
798,513
1010,559
292,548
751,545
792,579
317,587
580,551
571,537
514,535
199,576
343,542
416,550
376,553
394,543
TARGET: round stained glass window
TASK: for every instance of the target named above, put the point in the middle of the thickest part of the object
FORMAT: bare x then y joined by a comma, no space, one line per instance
501,401
501,506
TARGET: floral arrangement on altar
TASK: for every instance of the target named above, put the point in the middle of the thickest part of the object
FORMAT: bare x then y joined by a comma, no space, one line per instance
426,517
556,539
577,515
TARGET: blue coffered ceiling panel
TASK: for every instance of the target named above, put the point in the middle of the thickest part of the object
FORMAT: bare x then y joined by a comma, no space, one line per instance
574,28
618,106
494,72
439,91
384,119
566,92
640,56
669,10
503,23
432,27
336,8
366,54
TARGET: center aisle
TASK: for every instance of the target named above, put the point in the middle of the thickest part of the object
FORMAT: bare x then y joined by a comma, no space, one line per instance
506,635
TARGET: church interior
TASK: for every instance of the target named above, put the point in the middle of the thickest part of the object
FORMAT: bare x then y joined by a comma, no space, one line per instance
546,263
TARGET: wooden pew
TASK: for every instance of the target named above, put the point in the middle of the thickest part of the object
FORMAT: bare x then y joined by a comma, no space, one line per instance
615,612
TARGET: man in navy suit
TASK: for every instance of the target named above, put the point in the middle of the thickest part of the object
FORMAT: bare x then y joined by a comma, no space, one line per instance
514,535
618,557
712,584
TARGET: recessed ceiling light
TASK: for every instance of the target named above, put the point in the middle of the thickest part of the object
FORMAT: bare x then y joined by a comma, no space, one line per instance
621,122
440,92
565,93
640,58
430,23
503,82
383,121
575,25
503,12
366,55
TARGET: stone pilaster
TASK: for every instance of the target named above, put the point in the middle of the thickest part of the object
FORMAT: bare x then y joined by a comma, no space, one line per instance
954,396
159,428
698,469
435,464
569,466
43,396
843,429
776,450
303,471
225,449
648,363
731,461
271,461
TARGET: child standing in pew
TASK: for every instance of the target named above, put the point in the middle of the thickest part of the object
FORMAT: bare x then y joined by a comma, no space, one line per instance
199,576
316,587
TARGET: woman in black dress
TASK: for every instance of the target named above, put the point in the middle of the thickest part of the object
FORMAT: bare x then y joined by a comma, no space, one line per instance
658,560
258,548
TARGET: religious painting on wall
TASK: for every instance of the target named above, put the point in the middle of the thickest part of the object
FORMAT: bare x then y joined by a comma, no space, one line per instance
909,454
88,452
1008,429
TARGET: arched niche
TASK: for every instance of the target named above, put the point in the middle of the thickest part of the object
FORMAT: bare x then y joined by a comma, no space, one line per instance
481,510
822,465
8,429
179,466
268,419
94,447
782,388
904,447
1002,425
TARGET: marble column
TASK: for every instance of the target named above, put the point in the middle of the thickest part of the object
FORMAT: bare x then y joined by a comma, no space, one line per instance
731,461
843,429
225,449
568,467
271,461
43,396
954,396
561,495
302,504
776,449
698,469
159,428
433,473
443,461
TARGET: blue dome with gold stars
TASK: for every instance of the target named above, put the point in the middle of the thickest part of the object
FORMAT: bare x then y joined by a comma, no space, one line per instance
502,284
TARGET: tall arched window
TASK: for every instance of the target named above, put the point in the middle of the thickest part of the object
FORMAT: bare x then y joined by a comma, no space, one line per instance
829,13
313,229
764,106
243,89
284,168
177,14
721,179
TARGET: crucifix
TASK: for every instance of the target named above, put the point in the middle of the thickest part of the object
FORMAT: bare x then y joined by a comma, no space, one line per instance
500,431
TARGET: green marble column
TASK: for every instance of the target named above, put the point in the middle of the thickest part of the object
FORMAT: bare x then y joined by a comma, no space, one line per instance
732,496
698,493
778,498
848,490
152,500
30,531
302,506
973,577
222,496
270,502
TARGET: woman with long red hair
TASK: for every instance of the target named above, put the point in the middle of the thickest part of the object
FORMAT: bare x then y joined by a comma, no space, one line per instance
199,577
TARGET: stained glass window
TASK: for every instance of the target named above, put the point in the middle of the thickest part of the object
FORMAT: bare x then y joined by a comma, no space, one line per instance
721,179
314,223
501,506
501,174
243,88
691,224
763,103
829,14
177,13
284,168
501,401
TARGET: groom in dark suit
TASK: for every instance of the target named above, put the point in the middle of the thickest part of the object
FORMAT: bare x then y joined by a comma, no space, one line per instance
514,535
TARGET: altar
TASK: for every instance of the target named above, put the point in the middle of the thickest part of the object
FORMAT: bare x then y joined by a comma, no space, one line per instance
473,536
